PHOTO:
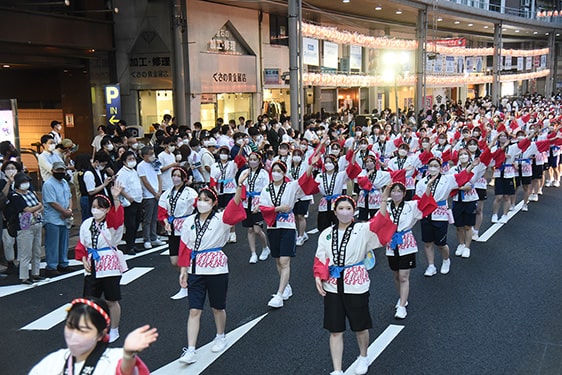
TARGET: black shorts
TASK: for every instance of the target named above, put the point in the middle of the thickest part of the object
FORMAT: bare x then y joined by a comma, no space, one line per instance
282,242
252,219
354,307
409,195
482,194
301,207
537,172
434,231
365,214
108,286
404,262
464,213
522,181
174,245
224,199
325,219
215,285
504,186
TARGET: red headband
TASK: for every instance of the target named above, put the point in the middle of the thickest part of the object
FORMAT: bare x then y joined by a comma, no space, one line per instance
94,306
103,197
344,197
211,191
182,171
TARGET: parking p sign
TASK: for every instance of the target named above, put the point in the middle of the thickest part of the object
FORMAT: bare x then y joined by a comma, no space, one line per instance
112,104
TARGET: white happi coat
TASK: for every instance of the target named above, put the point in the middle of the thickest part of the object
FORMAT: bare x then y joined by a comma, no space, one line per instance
381,179
292,193
446,184
338,185
260,179
183,208
226,176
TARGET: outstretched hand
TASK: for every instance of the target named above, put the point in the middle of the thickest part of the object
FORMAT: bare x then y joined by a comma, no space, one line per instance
140,339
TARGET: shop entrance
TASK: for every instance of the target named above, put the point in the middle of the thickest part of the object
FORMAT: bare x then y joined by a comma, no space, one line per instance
228,106
153,105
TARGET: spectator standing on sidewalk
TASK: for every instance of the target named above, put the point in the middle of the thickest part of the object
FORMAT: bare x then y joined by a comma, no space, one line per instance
149,173
57,201
46,159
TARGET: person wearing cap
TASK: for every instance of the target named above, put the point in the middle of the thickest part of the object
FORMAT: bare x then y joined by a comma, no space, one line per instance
56,127
57,201
24,214
46,159
401,250
207,157
65,150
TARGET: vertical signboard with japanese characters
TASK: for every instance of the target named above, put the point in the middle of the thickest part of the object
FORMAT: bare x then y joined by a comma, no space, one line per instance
112,104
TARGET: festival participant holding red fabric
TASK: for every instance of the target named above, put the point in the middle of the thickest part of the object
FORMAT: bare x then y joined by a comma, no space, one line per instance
204,266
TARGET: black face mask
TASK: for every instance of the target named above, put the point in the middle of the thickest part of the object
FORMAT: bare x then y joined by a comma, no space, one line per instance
59,175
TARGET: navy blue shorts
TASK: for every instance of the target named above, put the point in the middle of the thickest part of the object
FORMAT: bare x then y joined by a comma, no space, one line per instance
215,285
282,242
434,231
464,213
553,161
301,207
504,186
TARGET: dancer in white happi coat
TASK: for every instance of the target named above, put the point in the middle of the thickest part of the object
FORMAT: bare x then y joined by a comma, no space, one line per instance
297,168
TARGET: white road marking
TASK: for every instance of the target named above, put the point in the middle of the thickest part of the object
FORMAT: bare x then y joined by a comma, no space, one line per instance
133,274
313,231
167,252
496,226
378,346
48,321
205,357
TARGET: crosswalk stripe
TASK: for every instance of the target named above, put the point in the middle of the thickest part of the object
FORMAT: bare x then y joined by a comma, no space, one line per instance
378,346
133,274
167,252
496,226
205,357
48,321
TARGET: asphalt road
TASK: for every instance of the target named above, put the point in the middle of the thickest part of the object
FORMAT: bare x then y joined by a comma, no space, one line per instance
495,313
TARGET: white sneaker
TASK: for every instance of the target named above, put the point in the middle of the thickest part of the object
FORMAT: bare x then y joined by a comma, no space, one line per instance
220,344
430,270
512,207
503,219
232,238
446,266
181,294
400,312
398,304
474,235
525,208
300,241
539,192
147,245
556,183
362,365
287,293
187,357
158,242
533,198
265,253
336,373
460,249
305,237
494,218
276,301
466,252
253,258
548,184
113,334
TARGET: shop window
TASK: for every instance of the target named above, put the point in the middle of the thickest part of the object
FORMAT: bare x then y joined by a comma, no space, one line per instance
278,30
153,105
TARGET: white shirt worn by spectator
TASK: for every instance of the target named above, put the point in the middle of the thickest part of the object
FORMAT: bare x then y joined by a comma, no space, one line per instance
147,170
166,159
132,185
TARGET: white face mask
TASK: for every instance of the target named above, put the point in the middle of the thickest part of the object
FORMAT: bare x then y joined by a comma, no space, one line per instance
402,152
131,164
185,142
277,176
433,170
178,157
297,159
172,148
253,163
151,158
11,172
329,167
362,146
334,151
135,146
472,148
345,216
304,148
425,144
223,157
442,141
176,180
24,186
358,134
51,147
204,207
97,213
283,152
78,343
240,142
370,165
109,147
463,158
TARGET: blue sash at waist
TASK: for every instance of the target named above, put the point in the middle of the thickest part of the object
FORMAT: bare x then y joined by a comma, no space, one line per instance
397,239
211,250
95,254
335,271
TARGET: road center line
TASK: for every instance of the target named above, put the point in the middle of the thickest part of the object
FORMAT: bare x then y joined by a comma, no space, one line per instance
205,357
496,226
378,346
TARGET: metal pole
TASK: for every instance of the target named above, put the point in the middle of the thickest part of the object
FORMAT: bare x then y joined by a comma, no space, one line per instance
179,68
302,104
420,59
496,64
549,87
293,62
